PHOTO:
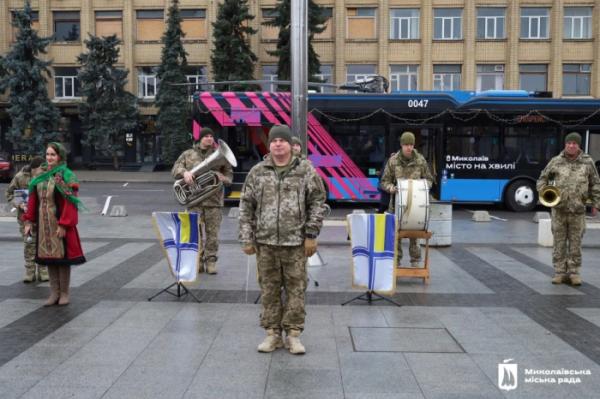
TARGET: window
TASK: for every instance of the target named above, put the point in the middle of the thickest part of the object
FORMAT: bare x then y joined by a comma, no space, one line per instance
404,23
534,23
150,25
404,77
447,23
533,145
578,23
269,32
66,84
326,76
533,77
35,23
196,75
193,23
360,23
147,82
109,23
357,72
328,25
576,79
490,22
446,77
490,77
473,141
269,72
66,26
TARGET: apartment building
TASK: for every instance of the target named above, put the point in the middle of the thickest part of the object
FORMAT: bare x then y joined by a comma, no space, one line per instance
536,45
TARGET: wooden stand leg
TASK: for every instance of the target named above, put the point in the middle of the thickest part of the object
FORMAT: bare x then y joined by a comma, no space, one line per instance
419,272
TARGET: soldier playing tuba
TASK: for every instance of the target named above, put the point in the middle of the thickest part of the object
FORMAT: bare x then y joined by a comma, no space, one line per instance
201,172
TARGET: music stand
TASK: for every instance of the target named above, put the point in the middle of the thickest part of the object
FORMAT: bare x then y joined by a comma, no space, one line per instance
368,297
178,294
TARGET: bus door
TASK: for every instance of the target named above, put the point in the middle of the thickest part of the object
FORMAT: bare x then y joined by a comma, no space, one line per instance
591,144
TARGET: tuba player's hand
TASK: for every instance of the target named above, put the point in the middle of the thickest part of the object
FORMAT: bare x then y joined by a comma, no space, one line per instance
188,177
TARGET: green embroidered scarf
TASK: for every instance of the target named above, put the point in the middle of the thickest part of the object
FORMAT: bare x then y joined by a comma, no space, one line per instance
65,180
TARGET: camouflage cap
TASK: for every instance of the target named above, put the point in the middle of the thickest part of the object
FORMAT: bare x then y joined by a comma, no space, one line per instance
407,138
296,140
573,136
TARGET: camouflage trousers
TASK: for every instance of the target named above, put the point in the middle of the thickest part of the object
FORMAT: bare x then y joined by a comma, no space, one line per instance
28,248
210,224
414,250
567,229
282,267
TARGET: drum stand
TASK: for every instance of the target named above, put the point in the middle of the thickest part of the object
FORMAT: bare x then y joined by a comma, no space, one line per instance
178,294
419,272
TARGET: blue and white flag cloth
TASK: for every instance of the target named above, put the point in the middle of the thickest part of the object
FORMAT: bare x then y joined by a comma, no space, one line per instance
373,246
178,234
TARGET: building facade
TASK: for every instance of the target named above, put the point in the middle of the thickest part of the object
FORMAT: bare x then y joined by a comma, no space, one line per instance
536,45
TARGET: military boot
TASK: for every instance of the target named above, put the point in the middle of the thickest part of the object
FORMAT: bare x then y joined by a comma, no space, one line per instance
29,275
211,265
42,273
575,279
293,344
415,263
559,278
271,342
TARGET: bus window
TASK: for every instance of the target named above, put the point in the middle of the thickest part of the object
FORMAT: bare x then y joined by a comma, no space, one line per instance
363,143
530,145
475,141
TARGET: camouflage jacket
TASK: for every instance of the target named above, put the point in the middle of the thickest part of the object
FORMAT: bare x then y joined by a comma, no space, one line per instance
19,182
192,157
577,179
281,211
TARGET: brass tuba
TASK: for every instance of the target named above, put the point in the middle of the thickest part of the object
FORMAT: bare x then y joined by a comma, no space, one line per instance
550,195
206,182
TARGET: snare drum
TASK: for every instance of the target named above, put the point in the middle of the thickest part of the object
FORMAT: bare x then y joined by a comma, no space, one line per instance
412,204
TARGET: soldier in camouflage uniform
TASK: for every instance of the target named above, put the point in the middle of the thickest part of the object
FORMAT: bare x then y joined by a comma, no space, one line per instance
281,214
210,209
405,164
21,182
575,175
297,147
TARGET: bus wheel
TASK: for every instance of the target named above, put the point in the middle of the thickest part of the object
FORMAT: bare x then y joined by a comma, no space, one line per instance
520,196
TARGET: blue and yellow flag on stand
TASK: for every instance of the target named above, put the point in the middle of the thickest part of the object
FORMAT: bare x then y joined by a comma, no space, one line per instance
178,234
373,243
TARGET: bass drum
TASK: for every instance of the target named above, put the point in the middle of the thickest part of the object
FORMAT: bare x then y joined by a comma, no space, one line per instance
412,204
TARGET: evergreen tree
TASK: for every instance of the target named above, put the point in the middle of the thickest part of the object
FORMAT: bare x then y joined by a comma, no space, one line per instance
232,57
172,97
2,69
108,111
33,116
316,21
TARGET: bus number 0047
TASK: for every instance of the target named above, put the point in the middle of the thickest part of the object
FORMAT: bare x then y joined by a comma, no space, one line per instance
417,103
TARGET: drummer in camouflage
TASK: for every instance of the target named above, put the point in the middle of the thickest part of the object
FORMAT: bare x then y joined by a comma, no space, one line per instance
405,164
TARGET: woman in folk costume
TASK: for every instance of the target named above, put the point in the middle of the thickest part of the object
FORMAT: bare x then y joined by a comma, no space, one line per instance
53,205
